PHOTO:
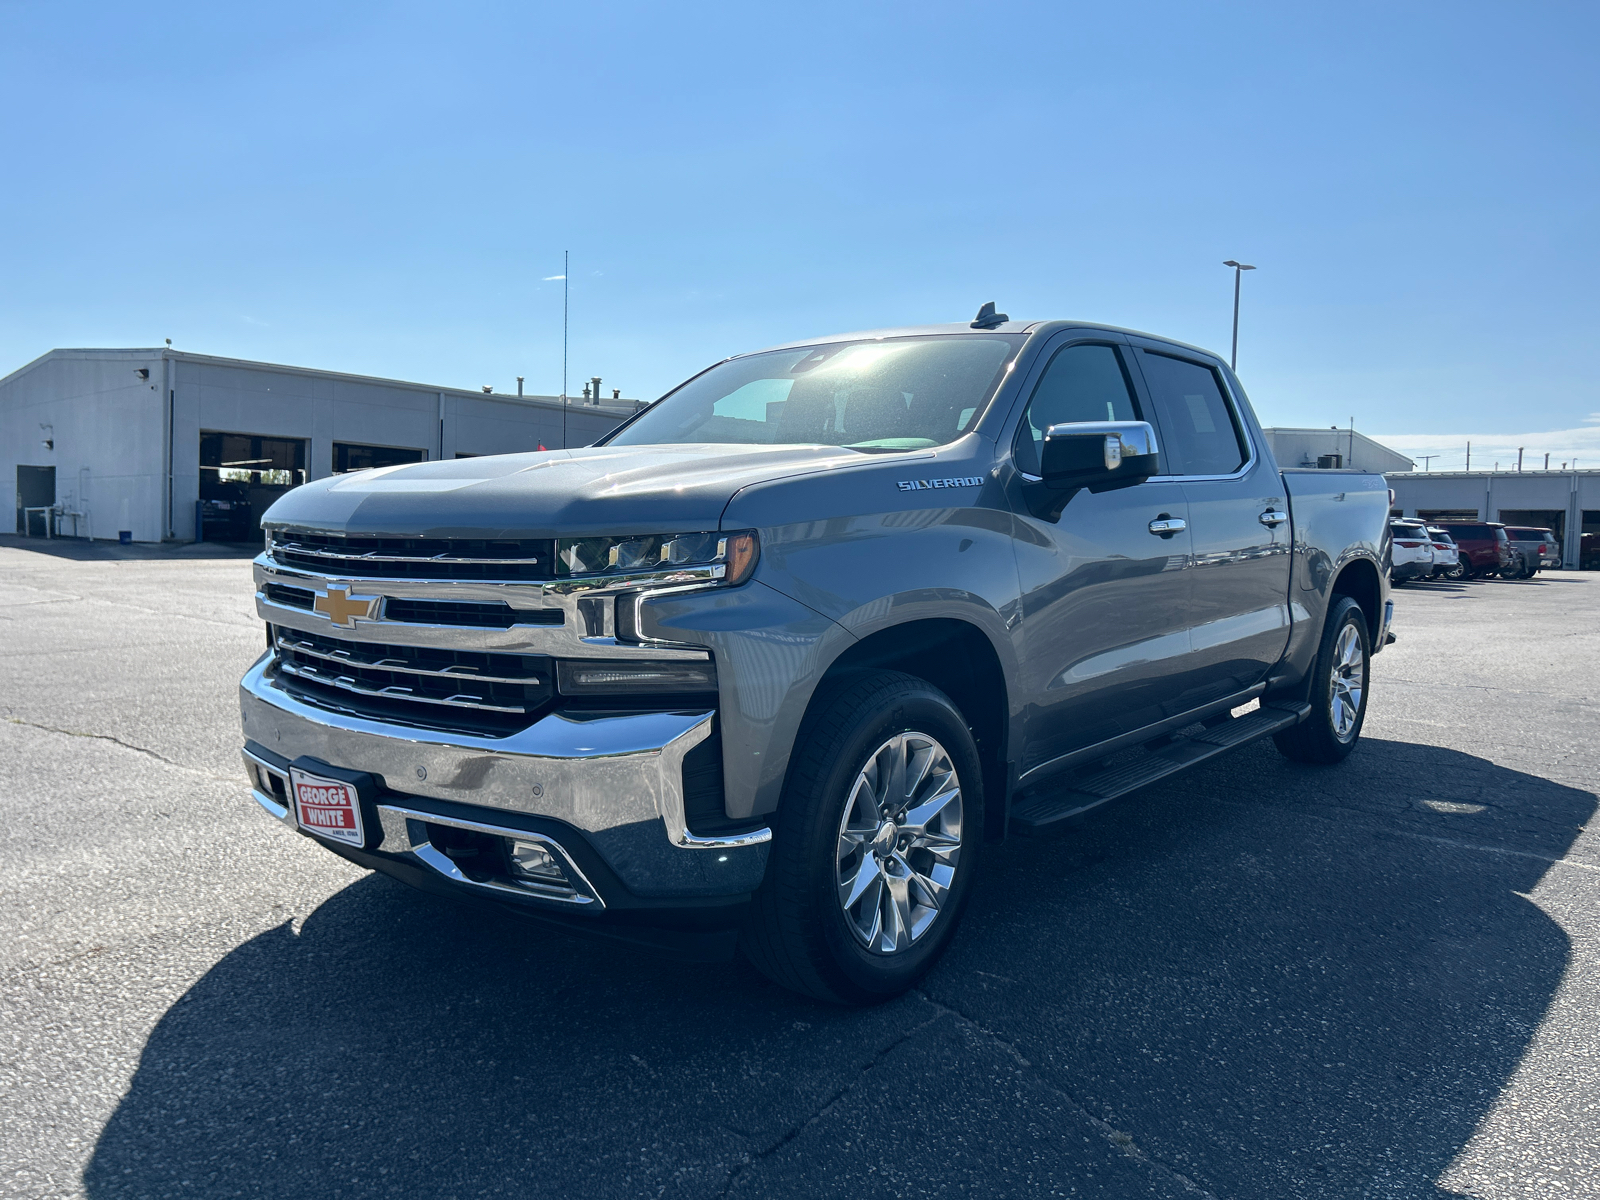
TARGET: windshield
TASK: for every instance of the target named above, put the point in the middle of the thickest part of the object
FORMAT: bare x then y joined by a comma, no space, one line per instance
880,395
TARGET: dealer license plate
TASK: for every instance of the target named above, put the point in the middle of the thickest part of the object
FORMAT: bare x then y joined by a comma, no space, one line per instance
327,807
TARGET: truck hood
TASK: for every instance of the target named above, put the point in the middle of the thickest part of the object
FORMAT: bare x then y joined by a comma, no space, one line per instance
568,493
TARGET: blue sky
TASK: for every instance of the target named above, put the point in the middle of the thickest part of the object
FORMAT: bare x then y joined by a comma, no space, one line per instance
385,188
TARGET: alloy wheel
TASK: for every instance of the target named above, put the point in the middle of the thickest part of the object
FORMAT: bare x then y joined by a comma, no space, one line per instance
1347,680
899,842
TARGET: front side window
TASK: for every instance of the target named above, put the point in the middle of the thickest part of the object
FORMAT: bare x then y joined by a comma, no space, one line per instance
1082,383
881,395
1200,434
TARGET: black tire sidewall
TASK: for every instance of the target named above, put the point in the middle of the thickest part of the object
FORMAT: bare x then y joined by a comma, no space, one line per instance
858,974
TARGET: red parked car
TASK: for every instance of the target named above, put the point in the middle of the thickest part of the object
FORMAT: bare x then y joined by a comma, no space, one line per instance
1485,548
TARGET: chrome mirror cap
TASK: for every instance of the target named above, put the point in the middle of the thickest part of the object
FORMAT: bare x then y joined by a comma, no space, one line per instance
1099,455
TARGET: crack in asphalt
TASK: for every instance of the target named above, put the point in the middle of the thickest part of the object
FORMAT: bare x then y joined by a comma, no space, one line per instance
1378,826
801,1126
116,741
1120,1140
1544,858
1479,687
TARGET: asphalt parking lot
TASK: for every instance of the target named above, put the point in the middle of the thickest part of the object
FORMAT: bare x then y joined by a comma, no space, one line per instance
1263,980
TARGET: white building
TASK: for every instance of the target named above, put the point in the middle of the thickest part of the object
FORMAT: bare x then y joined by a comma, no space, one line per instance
1333,447
169,445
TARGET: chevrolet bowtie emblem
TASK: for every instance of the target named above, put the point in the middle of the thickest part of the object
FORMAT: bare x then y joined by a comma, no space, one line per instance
342,609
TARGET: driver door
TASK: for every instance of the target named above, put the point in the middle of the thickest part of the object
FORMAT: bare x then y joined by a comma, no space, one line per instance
1104,598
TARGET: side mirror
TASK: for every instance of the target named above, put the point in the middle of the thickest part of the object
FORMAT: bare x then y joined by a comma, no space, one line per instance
1098,455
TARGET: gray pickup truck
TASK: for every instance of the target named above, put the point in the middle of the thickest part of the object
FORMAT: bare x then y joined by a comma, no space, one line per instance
768,666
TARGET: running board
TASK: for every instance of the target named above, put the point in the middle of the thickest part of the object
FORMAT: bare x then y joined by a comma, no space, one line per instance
1048,808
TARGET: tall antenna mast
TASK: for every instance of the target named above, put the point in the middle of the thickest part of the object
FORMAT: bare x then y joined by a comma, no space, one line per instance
566,257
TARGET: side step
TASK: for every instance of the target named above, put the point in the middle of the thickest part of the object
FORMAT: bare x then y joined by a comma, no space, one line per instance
1046,809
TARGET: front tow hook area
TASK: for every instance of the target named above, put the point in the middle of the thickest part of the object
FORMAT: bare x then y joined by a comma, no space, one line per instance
489,858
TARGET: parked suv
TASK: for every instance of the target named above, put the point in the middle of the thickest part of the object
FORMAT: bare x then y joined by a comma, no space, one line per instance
1537,547
1446,558
1484,546
1413,551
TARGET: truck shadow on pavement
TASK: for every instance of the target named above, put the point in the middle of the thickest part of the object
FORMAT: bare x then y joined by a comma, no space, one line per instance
1245,980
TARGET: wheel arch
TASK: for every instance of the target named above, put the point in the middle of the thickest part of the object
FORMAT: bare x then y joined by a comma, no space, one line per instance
958,658
1360,581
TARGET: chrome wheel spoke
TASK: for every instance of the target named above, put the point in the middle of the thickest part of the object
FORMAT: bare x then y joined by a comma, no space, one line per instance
894,779
917,773
863,812
867,876
897,925
931,887
929,812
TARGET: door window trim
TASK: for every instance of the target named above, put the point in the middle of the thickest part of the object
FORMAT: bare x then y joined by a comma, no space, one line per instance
1228,398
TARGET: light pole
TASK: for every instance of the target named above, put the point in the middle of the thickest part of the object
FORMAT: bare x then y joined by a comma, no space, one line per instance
566,270
1238,268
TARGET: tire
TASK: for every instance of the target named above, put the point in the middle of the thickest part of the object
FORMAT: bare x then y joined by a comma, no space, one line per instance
801,931
1329,734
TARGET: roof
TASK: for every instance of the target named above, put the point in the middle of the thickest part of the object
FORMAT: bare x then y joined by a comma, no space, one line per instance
1553,473
965,327
623,407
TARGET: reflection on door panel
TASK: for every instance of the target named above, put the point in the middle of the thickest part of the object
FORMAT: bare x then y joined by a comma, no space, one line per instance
1239,614
1104,601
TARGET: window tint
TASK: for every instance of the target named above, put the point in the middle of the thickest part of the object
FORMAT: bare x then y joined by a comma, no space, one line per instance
1199,432
1082,383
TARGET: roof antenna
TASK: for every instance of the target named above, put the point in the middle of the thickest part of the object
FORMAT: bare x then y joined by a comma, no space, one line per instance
987,318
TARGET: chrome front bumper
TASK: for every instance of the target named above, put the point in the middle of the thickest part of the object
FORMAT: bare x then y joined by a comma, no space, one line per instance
615,780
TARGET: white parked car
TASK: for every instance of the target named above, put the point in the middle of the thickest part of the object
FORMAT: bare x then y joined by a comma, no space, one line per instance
1413,551
1446,555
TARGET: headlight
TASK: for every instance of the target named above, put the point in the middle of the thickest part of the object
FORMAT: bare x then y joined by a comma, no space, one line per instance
731,557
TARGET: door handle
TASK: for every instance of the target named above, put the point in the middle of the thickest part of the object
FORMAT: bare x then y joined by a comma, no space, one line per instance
1165,526
1273,517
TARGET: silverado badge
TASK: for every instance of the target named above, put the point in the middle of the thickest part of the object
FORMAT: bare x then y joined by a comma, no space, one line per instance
918,485
342,609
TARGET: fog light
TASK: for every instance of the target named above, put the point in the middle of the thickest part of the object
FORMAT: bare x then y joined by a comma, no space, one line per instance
602,677
533,861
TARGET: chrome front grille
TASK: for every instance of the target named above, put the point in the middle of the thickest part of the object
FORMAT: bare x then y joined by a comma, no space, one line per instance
451,689
515,560
475,614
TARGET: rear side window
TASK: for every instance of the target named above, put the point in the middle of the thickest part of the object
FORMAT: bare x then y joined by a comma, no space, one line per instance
1200,432
1082,383
1471,532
